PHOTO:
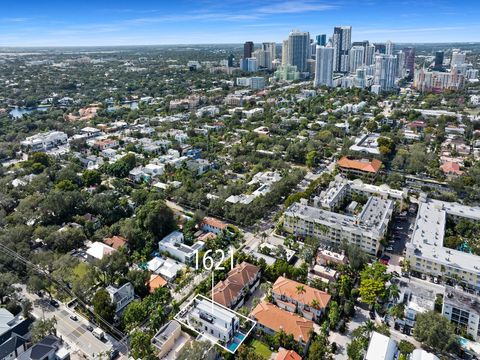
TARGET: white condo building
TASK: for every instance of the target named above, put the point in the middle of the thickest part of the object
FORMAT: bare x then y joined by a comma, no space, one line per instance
365,227
324,66
426,251
356,56
385,71
463,310
298,49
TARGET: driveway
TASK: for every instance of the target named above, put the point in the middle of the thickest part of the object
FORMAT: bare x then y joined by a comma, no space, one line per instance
342,340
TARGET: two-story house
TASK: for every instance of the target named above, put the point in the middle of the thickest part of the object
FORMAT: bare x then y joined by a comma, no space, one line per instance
242,280
121,296
299,298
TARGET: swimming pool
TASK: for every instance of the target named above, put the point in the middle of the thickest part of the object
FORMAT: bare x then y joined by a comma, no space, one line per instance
237,340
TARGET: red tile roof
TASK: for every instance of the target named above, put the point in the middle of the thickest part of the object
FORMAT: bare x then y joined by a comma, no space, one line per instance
372,166
272,317
214,223
287,287
241,275
155,282
115,241
451,167
284,354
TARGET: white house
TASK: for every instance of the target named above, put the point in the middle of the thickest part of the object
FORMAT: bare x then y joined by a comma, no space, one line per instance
121,296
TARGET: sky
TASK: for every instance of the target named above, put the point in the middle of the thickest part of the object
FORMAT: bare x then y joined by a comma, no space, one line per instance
158,22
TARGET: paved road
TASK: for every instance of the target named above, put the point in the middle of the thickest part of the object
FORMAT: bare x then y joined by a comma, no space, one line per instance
342,340
73,332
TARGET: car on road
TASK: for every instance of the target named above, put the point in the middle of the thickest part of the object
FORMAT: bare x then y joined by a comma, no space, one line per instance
54,303
114,354
90,328
74,317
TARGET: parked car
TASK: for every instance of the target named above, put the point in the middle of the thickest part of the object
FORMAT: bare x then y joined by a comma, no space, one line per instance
54,303
389,248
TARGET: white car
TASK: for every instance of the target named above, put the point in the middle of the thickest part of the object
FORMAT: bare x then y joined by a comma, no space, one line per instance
389,248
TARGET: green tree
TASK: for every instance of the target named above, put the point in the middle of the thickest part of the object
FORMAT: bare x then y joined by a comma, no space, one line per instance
7,280
141,347
42,328
436,331
91,177
406,347
333,314
198,350
157,218
372,283
103,305
133,315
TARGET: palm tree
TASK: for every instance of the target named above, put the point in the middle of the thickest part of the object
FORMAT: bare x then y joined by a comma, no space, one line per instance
368,327
394,292
300,289
315,304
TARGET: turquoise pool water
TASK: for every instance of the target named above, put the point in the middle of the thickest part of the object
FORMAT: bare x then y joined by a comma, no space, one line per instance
237,339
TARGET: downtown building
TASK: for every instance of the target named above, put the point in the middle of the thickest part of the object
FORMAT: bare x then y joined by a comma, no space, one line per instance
324,66
298,49
342,42
356,58
385,71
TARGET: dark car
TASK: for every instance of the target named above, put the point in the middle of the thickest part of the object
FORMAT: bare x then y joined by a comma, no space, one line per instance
74,317
54,303
90,328
114,354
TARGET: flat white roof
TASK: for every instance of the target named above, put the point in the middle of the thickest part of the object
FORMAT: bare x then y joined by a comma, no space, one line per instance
429,230
381,347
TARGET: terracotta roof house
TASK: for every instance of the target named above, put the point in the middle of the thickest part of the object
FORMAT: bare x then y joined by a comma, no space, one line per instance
297,297
271,319
155,282
451,168
115,241
243,279
213,225
284,354
359,167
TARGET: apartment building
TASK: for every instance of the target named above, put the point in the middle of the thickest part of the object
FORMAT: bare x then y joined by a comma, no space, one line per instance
365,229
299,298
363,167
463,310
425,250
243,279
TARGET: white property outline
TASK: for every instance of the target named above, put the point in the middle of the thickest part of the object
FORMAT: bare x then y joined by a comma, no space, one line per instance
208,338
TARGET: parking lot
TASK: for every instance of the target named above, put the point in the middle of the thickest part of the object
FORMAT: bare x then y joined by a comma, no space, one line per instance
401,230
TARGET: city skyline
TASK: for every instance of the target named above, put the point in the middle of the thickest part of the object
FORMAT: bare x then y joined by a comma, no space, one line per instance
52,23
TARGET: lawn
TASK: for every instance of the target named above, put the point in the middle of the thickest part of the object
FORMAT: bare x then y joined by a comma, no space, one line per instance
261,348
80,270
